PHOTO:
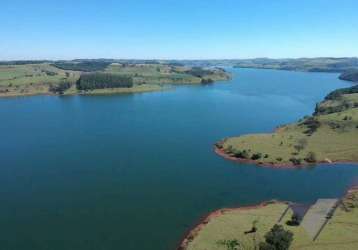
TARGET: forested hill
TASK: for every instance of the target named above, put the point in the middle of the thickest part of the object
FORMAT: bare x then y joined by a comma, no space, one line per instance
350,75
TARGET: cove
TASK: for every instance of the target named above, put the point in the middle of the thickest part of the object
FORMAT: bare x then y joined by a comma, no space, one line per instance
137,171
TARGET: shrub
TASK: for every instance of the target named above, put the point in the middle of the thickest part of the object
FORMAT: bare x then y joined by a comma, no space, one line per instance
256,156
242,154
49,73
279,159
312,125
277,239
295,220
295,161
60,88
238,153
229,244
207,81
301,144
298,147
266,246
311,157
229,149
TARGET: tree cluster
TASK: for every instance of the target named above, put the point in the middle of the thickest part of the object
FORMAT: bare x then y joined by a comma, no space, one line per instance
337,93
277,239
103,80
60,88
199,72
87,66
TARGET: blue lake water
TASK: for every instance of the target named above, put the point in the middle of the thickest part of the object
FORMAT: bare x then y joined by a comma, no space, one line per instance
137,171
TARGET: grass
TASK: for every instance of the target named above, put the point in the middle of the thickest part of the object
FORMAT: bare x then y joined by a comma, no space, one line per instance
159,73
334,140
233,224
21,75
31,79
34,79
339,233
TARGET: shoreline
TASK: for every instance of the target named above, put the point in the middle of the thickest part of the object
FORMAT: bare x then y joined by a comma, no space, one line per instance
193,232
284,165
290,70
109,91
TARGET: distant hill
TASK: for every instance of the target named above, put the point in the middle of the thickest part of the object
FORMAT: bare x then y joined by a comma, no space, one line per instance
321,64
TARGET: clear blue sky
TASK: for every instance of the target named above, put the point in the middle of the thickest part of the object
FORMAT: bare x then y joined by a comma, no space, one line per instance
182,29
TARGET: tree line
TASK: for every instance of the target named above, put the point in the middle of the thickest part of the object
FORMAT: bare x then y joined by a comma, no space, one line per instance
87,66
199,72
335,94
103,80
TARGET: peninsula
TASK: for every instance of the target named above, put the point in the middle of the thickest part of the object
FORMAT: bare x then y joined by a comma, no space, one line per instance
350,75
326,224
21,78
330,135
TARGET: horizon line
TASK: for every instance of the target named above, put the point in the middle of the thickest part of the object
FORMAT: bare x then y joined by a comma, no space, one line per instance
184,59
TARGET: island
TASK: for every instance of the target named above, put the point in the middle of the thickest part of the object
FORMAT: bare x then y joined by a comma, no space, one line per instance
330,135
88,77
326,224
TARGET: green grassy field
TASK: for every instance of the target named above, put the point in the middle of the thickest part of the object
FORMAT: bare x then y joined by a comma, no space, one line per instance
161,73
331,135
33,79
20,75
339,233
153,74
